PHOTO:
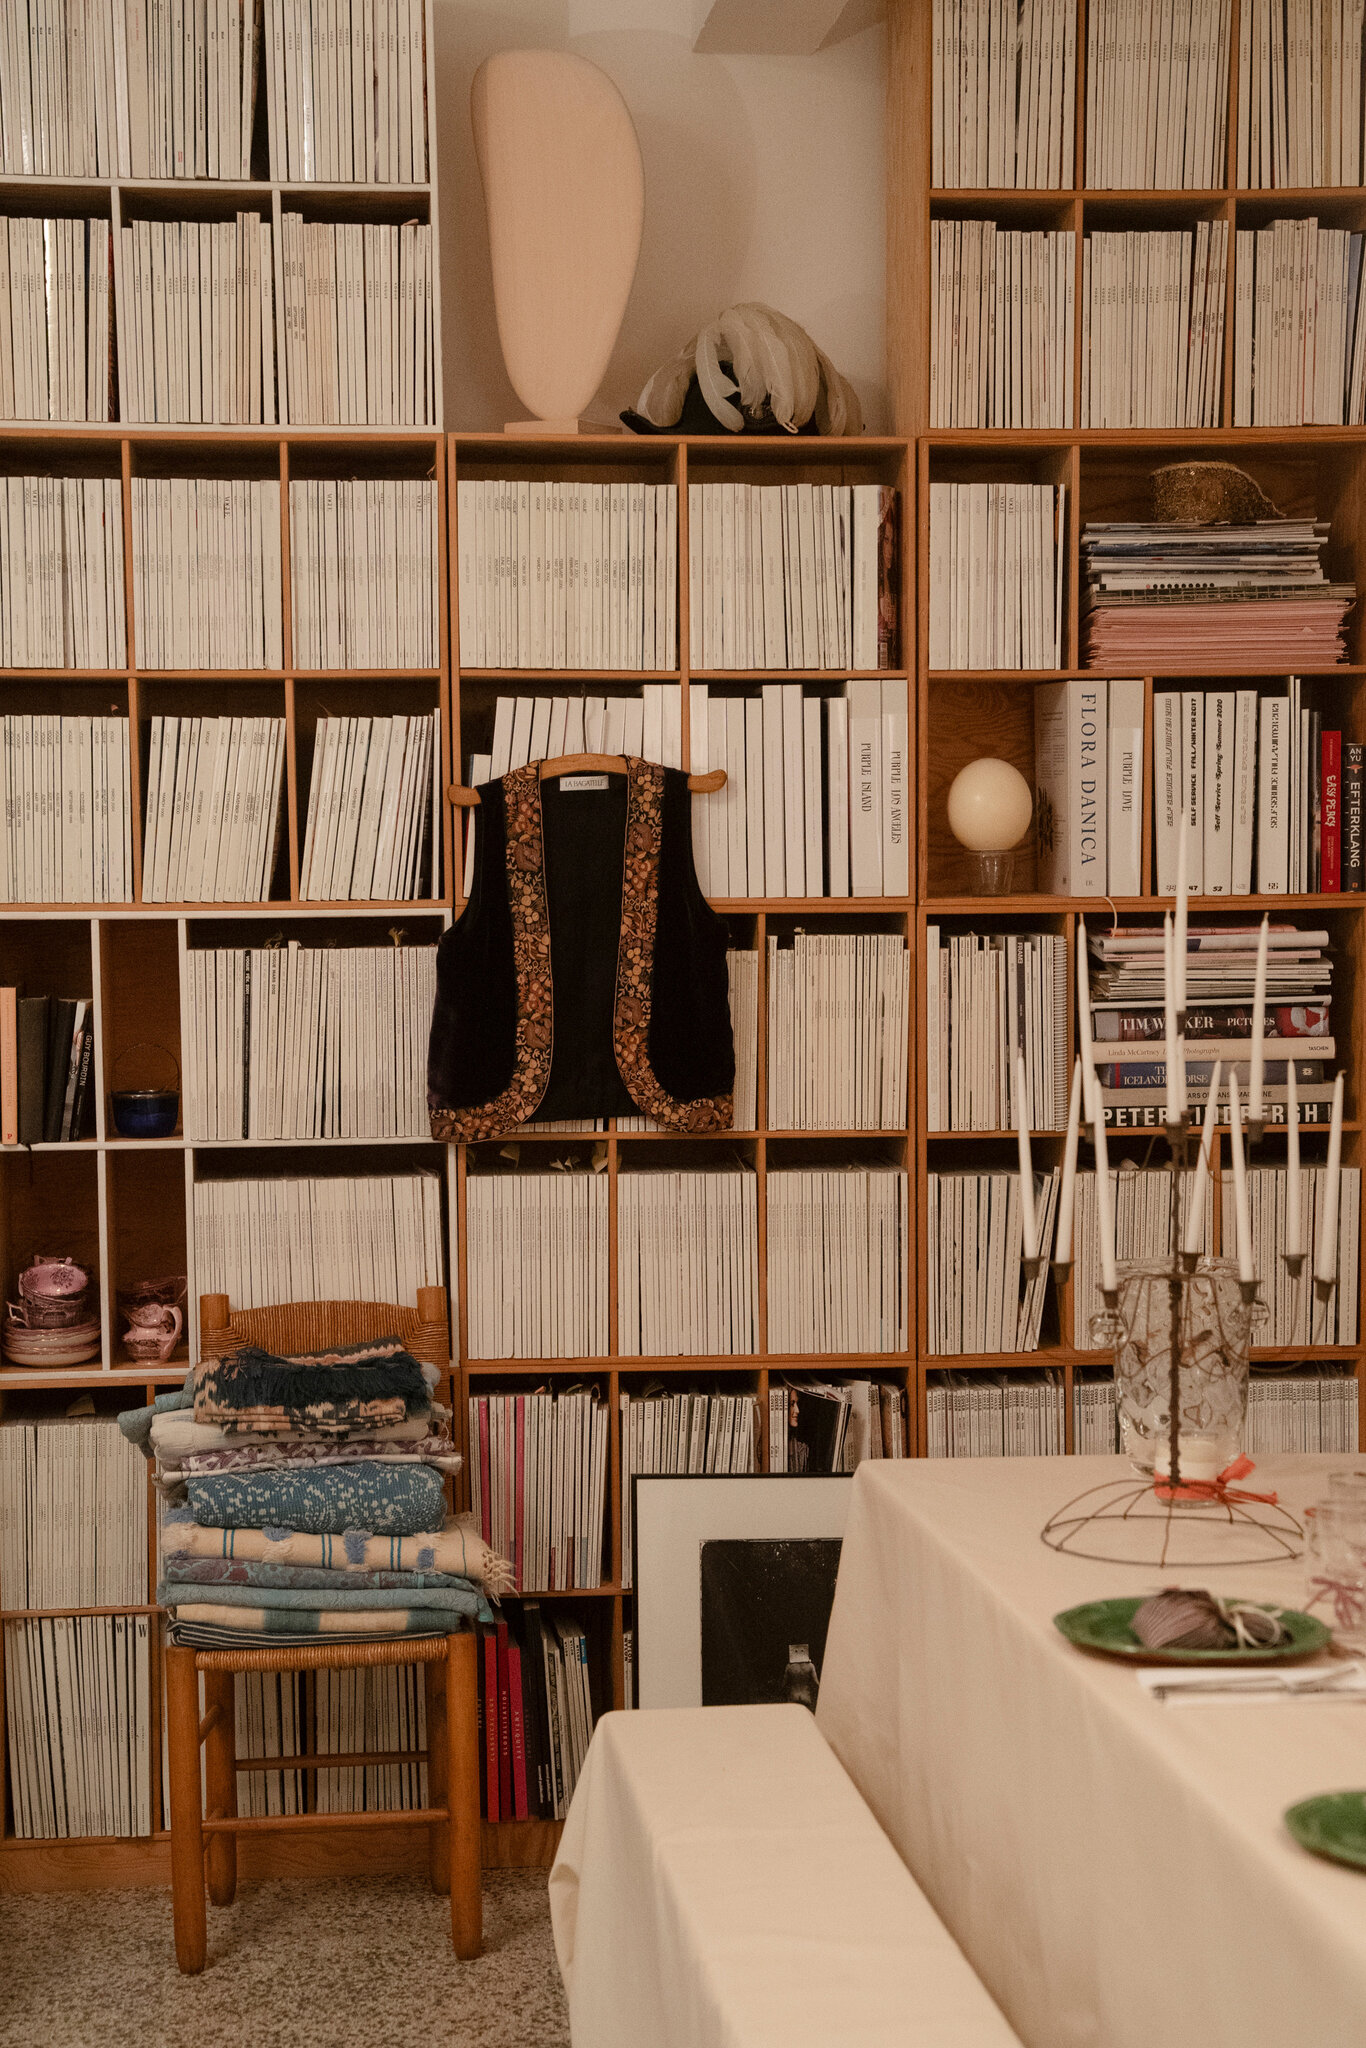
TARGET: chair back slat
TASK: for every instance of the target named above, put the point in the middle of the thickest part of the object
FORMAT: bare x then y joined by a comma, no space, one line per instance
289,1328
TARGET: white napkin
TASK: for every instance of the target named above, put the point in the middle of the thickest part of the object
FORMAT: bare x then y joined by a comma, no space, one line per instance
1231,1685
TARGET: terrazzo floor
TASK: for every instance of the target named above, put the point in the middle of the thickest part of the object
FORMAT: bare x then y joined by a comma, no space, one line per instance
350,1963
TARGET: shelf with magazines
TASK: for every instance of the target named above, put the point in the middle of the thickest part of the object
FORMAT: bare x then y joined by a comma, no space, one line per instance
129,939
1016,361
503,718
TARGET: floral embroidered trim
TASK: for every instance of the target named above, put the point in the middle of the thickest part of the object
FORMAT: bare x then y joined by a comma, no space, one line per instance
635,962
524,857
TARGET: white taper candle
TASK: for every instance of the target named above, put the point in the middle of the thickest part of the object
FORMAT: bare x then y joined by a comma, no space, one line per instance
1029,1221
1257,1073
1067,1195
1240,1206
1085,1047
1105,1205
1175,1052
1294,1197
1182,911
1195,1215
1326,1261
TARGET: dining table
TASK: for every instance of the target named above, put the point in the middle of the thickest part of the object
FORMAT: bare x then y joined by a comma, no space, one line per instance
1116,1867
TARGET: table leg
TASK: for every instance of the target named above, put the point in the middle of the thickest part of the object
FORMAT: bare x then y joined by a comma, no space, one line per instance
187,1814
462,1795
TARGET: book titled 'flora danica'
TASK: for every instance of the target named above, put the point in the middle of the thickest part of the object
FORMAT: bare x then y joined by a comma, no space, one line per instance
1070,740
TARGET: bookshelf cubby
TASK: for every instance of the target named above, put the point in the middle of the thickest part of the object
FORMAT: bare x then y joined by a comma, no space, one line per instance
963,714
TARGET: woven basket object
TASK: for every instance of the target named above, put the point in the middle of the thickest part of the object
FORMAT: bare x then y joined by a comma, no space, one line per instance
1209,494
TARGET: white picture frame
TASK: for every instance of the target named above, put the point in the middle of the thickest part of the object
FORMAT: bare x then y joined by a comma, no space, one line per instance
673,1517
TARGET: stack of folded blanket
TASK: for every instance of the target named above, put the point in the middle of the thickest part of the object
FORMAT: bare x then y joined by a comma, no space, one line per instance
306,1497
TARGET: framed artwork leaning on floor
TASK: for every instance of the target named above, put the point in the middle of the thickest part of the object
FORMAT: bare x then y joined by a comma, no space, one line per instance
735,1578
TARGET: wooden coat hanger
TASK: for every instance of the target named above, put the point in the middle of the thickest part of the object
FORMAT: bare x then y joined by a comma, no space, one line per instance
590,764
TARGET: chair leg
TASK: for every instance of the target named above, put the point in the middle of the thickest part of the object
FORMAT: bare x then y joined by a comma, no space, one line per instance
220,1760
462,1795
187,1832
439,1834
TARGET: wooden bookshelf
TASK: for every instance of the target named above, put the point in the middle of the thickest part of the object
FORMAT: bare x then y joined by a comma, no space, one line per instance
961,715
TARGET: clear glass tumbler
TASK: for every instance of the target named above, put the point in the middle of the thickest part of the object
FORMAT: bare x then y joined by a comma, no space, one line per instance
1335,1568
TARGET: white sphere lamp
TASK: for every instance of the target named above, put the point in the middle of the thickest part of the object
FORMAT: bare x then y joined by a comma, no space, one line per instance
990,806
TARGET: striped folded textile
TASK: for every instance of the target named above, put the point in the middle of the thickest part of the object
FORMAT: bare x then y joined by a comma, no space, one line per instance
457,1548
343,1390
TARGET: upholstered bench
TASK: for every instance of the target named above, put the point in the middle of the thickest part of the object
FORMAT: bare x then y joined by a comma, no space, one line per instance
721,1884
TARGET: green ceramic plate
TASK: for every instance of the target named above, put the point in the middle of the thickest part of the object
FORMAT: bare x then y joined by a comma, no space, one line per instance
1104,1625
1333,1825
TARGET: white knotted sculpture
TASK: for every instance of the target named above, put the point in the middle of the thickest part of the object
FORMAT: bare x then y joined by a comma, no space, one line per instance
564,191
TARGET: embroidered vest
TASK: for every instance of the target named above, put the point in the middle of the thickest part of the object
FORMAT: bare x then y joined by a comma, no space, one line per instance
587,975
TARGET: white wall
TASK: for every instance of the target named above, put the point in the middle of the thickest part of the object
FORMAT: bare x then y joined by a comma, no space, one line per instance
763,180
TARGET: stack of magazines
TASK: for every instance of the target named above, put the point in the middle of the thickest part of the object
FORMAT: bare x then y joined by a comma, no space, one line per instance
1165,593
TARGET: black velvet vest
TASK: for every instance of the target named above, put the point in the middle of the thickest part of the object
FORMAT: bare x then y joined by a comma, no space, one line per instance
587,975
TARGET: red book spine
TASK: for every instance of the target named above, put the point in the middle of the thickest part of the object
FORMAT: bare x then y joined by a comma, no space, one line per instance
519,1800
1330,846
504,1725
519,1505
490,1650
485,1490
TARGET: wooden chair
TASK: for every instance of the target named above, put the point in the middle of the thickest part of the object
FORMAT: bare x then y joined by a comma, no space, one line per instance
205,1842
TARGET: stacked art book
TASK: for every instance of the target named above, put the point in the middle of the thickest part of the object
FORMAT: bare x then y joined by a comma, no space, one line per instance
1128,1022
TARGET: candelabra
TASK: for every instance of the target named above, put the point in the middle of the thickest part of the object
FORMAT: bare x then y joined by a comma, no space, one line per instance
1181,1325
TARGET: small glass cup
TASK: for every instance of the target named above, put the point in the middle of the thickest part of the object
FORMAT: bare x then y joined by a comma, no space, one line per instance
1335,1568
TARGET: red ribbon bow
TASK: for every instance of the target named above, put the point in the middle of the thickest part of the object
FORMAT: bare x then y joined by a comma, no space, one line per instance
1217,1489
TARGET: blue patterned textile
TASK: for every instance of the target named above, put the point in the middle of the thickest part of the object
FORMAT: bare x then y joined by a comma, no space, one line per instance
400,1499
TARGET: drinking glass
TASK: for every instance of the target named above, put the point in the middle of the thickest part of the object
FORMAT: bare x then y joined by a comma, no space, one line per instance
1335,1567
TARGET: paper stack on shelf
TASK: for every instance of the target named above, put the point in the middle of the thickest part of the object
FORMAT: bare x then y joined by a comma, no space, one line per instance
307,1042
1300,85
537,1261
364,583
54,318
1172,595
687,1263
996,575
538,1484
346,92
1157,95
67,831
995,1415
196,317
213,820
1005,93
1299,1314
1308,1408
382,1708
793,575
838,1259
358,321
832,1425
538,1710
988,998
61,572
374,810
206,572
837,1031
978,1297
1153,327
1299,341
1001,345
362,1238
567,575
113,88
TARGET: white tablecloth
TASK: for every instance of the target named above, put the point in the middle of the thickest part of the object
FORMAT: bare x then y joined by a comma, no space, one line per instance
1116,1871
721,1885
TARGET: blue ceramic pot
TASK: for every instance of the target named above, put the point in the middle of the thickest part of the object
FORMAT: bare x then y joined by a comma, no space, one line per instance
145,1112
